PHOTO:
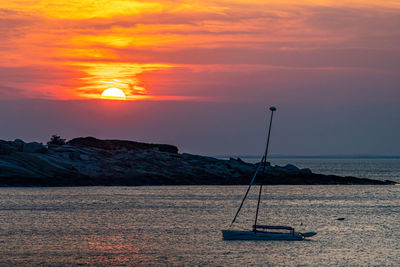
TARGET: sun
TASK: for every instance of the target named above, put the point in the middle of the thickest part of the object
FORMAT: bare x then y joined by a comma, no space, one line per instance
113,94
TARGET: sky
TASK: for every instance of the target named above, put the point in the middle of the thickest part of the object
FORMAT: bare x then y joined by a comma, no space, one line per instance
202,74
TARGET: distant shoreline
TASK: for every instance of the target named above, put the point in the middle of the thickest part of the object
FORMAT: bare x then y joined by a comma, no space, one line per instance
308,157
88,161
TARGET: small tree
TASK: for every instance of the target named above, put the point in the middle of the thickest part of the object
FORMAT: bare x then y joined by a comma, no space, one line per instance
56,140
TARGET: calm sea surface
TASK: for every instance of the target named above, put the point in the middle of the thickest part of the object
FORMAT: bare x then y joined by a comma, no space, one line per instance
117,226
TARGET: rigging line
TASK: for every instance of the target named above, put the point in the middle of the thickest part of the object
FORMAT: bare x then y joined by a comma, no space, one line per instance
269,134
258,206
264,163
247,192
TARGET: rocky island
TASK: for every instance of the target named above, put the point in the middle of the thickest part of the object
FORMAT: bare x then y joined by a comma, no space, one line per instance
90,162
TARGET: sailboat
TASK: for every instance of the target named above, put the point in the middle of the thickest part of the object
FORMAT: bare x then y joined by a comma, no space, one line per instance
263,232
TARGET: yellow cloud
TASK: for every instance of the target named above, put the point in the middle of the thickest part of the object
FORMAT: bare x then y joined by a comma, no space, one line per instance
84,9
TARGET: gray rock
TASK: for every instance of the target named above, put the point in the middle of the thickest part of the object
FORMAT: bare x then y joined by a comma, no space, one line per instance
19,141
291,167
116,164
6,148
75,155
34,147
306,171
286,170
19,144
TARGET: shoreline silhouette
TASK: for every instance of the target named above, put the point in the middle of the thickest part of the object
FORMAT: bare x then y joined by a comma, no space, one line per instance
88,161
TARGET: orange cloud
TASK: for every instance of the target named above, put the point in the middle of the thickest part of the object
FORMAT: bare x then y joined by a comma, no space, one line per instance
95,44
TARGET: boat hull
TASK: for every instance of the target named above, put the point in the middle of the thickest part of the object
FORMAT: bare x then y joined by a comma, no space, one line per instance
259,235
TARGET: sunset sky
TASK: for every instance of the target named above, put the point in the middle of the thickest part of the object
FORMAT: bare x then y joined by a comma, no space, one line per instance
201,74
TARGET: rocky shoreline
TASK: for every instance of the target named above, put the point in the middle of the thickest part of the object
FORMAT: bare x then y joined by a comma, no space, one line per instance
92,162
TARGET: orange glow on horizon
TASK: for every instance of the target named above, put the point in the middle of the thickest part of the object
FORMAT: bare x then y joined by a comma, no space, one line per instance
99,76
159,49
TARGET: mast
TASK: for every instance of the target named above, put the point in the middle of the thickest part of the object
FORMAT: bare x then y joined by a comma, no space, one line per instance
264,164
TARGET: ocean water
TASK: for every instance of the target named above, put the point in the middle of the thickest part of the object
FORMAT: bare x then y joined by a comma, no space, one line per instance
181,225
374,168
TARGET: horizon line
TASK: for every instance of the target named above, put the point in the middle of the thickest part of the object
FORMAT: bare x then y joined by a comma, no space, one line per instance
328,156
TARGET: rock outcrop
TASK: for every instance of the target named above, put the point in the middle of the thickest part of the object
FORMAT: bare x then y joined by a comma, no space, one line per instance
34,147
90,161
120,144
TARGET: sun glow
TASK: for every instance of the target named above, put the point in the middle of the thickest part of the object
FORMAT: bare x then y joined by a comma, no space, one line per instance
170,49
113,94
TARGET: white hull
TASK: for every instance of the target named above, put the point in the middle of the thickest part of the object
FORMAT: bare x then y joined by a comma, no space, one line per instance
260,235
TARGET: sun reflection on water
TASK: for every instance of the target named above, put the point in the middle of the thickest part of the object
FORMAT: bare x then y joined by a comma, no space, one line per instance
116,250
